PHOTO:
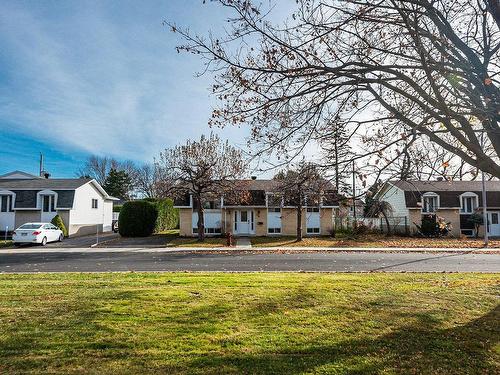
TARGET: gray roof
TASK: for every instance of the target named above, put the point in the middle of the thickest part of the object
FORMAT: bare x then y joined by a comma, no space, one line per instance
44,183
459,186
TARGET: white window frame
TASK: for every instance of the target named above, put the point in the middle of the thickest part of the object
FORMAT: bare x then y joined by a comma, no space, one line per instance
96,203
468,195
51,200
10,202
430,194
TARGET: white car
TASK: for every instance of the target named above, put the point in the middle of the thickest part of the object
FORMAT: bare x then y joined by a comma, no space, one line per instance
37,233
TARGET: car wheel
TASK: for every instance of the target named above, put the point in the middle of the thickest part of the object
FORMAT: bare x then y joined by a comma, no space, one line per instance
61,238
44,241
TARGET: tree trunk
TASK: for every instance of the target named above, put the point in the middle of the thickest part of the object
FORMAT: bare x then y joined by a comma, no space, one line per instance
387,223
201,221
299,223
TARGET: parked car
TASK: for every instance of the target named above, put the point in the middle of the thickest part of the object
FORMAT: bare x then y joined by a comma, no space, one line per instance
37,233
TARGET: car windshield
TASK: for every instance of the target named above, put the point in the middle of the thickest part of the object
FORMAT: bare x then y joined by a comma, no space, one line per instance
30,226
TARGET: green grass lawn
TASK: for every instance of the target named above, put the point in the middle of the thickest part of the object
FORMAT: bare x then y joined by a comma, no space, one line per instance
7,243
276,323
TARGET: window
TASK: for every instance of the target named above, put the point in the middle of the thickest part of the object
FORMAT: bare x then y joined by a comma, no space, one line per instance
430,202
312,209
273,230
313,230
48,203
243,216
95,203
274,209
211,205
468,203
5,203
494,218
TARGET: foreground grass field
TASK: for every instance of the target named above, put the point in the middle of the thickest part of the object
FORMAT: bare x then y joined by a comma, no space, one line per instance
250,323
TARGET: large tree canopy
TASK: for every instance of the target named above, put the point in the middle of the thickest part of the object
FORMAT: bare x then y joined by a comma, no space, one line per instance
394,70
205,169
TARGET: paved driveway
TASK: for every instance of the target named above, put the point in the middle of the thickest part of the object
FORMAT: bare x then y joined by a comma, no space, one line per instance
76,242
234,262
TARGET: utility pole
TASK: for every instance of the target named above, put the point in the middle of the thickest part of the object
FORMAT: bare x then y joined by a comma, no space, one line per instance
354,193
41,165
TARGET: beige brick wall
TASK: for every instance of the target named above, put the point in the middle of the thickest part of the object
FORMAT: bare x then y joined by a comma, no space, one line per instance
288,221
326,221
185,219
261,217
453,216
450,215
415,217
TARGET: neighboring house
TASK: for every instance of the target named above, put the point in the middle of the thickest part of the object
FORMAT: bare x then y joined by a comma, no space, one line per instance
350,207
82,203
253,208
455,201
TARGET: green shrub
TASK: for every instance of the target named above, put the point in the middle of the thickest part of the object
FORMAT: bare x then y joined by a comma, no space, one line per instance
137,219
117,208
58,222
168,216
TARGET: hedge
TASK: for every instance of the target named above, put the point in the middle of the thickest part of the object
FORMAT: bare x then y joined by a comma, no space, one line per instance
168,216
137,219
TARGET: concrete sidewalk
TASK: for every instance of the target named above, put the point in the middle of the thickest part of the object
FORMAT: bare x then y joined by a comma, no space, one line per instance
48,250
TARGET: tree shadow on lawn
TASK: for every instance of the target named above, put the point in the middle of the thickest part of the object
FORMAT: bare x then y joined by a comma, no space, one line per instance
63,330
420,347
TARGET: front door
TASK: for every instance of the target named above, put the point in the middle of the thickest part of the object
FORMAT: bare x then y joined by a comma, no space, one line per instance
243,222
494,223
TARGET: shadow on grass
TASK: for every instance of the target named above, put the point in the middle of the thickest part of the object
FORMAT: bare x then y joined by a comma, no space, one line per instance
421,347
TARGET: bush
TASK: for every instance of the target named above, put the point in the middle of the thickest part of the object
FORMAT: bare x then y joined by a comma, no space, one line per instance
137,219
58,222
433,226
168,216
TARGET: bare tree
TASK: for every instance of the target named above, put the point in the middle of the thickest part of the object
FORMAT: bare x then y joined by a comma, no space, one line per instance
300,187
99,168
381,208
401,68
148,181
205,169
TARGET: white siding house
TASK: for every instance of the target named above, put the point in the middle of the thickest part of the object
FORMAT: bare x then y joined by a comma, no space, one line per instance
82,203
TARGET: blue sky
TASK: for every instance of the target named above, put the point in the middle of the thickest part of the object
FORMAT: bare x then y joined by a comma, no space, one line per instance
99,77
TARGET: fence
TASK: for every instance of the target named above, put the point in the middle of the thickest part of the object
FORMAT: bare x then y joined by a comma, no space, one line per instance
397,224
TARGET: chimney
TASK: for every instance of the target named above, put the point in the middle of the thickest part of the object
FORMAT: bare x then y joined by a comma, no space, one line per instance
253,177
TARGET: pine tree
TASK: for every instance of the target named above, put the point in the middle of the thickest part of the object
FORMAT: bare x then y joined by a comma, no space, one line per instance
118,184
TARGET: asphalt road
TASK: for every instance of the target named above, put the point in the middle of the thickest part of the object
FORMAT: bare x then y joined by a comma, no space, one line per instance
233,262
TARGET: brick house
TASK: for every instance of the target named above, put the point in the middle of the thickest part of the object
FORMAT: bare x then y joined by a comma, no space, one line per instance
455,201
254,208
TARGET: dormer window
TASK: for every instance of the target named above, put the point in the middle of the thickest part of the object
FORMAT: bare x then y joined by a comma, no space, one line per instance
468,203
430,203
48,203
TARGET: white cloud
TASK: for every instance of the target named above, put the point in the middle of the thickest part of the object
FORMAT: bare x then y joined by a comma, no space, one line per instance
103,83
